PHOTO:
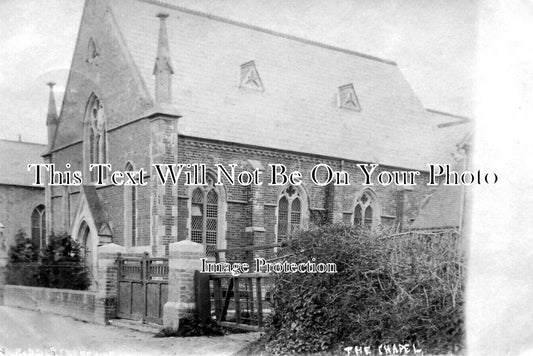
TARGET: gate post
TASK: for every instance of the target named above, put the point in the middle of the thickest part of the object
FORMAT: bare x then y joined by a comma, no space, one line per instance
106,299
184,259
202,296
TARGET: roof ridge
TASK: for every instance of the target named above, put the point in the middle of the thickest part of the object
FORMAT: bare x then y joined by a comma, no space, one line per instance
25,142
266,30
465,118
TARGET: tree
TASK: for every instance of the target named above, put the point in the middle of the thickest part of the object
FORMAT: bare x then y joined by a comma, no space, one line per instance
22,264
62,266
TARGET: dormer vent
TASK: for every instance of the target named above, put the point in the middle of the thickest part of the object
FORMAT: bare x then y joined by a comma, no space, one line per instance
348,98
250,78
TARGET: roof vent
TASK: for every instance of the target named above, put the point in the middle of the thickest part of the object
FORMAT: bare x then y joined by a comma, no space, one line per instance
92,51
250,77
348,98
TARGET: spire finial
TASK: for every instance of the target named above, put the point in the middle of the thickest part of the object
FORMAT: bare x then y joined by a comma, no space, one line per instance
51,117
163,64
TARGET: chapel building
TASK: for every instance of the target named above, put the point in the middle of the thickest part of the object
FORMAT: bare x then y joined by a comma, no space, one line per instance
153,83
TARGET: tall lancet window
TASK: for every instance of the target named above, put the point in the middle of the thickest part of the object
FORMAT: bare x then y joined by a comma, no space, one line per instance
94,137
291,212
366,211
38,226
130,212
205,214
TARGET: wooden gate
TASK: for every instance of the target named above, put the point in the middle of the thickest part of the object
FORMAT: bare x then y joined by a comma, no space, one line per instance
240,301
142,288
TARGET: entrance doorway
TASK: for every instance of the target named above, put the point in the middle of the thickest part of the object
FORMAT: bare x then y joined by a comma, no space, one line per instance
86,240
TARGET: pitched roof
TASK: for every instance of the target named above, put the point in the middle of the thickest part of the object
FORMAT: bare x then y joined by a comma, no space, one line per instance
14,159
298,109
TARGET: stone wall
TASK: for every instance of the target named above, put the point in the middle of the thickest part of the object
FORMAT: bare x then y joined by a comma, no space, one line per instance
94,306
80,305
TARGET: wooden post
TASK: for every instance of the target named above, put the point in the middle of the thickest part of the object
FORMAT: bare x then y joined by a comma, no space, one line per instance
237,302
119,274
259,303
144,278
218,298
227,300
202,295
250,296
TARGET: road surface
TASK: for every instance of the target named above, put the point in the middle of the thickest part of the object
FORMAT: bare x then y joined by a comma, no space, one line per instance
35,333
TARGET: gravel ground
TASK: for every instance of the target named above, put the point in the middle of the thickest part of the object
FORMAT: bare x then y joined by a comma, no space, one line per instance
35,333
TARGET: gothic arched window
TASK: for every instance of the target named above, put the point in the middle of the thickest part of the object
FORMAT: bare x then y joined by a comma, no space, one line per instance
130,212
94,137
205,214
366,210
38,226
290,212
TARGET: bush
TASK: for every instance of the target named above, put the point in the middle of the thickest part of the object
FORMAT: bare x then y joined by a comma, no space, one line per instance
21,268
192,326
61,265
407,289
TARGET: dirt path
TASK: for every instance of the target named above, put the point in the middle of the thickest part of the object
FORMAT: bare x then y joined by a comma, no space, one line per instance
36,333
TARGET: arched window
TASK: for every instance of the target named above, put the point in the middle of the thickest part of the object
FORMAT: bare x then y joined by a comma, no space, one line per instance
38,226
290,212
205,214
366,210
130,212
94,136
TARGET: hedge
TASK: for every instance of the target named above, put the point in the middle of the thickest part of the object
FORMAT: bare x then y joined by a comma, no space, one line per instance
388,290
58,265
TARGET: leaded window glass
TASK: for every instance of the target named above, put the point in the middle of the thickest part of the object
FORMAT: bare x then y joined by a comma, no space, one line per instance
95,136
38,226
130,210
204,217
364,212
289,213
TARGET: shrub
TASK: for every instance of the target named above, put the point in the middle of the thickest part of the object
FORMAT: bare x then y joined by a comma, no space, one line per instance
192,326
406,289
21,268
61,265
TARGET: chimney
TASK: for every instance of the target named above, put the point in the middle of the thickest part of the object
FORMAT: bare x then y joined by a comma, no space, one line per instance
51,118
163,65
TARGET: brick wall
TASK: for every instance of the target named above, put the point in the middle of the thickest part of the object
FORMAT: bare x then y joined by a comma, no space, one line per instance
80,305
396,203
238,214
96,306
16,205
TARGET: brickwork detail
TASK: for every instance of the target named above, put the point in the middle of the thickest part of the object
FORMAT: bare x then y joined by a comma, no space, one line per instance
164,198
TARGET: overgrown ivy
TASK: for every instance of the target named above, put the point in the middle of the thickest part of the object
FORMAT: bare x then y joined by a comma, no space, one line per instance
388,290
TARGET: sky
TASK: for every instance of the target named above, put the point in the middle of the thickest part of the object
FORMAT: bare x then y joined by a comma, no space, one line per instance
433,42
